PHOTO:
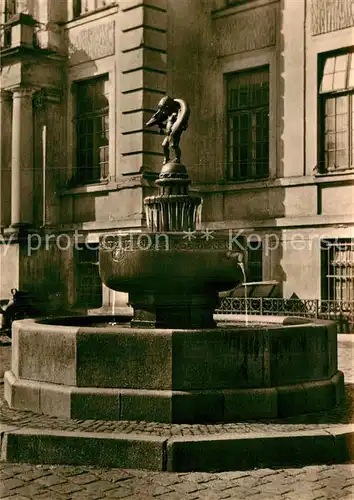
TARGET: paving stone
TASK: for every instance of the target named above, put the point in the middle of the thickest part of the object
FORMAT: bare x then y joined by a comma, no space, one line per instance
116,475
12,483
100,486
50,495
274,488
261,473
30,489
16,468
84,478
169,479
349,488
205,477
15,497
221,495
4,474
239,492
84,495
30,475
262,496
141,497
189,487
68,471
158,491
50,480
232,475
346,494
174,495
244,482
121,492
65,488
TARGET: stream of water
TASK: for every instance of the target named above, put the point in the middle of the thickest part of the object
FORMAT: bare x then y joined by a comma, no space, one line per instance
113,307
244,282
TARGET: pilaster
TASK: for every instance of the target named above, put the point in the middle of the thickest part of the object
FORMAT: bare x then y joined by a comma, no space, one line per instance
144,82
293,82
48,156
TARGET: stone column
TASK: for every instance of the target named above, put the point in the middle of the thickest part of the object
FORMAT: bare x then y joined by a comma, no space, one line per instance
5,158
22,158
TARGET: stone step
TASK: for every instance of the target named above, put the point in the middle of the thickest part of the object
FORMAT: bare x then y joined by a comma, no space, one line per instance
181,453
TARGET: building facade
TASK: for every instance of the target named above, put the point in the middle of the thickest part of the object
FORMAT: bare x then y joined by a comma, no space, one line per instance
270,143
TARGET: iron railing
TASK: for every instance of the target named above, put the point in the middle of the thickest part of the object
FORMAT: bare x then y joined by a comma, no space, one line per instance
337,310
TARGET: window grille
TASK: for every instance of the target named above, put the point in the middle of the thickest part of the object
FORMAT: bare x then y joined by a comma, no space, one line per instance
336,89
248,124
92,122
88,281
338,270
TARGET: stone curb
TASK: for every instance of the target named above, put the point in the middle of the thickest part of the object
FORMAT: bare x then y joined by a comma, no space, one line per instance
168,406
179,454
82,448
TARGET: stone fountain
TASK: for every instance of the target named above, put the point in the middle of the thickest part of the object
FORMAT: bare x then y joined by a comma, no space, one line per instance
172,363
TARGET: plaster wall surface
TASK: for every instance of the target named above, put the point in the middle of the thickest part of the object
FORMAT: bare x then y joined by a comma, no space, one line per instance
337,200
300,259
9,268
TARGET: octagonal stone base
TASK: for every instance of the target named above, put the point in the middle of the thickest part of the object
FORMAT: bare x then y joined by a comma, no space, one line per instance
182,376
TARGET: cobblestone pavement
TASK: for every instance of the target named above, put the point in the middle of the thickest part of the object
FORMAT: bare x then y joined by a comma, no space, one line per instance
346,356
46,482
41,482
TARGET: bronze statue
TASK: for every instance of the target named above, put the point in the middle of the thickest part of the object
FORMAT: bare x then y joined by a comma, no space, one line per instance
175,112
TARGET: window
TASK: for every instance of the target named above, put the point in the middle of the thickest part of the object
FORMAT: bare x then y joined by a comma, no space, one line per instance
82,7
88,281
254,261
248,124
337,112
338,269
9,10
92,131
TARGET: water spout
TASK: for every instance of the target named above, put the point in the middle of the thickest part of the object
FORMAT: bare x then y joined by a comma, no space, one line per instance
242,267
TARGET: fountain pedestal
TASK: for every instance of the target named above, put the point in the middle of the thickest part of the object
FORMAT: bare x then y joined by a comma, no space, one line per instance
173,310
177,366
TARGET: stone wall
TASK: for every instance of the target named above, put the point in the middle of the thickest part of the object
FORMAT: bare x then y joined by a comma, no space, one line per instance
40,272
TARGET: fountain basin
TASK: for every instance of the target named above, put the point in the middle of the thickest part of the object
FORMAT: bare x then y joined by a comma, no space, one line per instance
220,374
173,279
